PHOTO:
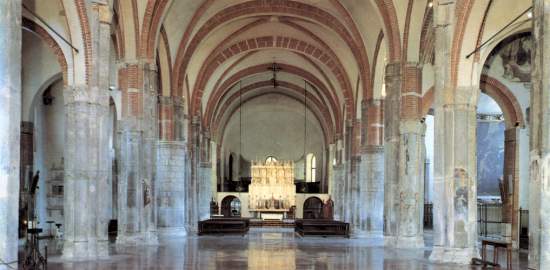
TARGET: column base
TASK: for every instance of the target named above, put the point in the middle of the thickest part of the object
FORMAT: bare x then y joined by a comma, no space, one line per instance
137,239
377,238
168,234
85,250
453,255
404,242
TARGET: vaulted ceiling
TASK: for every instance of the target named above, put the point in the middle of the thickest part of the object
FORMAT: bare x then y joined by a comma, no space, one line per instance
218,47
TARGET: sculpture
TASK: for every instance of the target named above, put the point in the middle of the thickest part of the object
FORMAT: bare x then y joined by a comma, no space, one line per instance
328,209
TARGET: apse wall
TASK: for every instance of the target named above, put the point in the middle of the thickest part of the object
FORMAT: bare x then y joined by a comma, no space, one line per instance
273,125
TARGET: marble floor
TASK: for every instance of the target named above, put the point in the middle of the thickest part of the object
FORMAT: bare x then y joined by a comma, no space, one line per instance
271,248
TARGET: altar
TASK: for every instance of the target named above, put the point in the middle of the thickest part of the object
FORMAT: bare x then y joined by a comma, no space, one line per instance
272,191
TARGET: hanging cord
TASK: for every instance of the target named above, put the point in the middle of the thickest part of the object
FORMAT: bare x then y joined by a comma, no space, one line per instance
498,32
49,27
305,129
240,125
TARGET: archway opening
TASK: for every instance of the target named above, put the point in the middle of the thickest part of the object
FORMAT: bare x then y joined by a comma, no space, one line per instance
313,208
231,206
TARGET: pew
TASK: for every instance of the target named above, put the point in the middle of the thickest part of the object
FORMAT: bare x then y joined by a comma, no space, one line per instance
224,226
321,227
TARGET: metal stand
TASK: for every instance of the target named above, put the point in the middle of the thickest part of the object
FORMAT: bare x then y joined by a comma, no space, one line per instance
33,258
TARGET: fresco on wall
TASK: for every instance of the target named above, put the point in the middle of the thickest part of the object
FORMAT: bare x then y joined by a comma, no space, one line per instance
514,54
490,156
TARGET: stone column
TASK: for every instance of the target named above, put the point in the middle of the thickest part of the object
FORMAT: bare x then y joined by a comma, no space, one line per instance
404,146
510,209
372,169
86,153
85,173
193,180
171,188
171,170
455,190
539,184
391,151
10,117
139,137
337,184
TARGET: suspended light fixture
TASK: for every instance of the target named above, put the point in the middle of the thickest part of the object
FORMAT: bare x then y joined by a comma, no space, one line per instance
239,187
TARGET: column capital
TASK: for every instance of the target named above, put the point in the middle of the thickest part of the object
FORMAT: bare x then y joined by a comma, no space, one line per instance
412,126
85,94
104,12
393,69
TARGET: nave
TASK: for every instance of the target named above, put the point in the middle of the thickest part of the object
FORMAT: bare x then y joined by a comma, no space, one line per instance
269,248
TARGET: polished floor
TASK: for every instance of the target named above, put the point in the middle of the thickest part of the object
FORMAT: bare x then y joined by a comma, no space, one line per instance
270,249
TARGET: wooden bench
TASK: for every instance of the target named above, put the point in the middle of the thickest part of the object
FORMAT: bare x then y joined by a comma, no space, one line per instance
321,227
224,226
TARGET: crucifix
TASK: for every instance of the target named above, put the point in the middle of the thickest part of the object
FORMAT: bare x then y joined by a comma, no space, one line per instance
275,68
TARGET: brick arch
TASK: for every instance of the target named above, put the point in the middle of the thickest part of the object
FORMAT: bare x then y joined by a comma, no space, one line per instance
283,20
86,36
391,24
505,99
270,6
427,38
321,123
215,60
52,44
499,92
219,93
152,19
462,13
284,86
312,102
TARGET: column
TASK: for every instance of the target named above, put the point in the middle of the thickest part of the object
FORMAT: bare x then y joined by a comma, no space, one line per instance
171,188
10,117
455,190
193,180
170,172
510,209
85,173
138,155
404,147
337,184
372,168
539,184
411,160
86,153
391,151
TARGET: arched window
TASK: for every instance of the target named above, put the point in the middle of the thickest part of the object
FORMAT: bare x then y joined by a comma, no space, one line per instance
270,159
311,168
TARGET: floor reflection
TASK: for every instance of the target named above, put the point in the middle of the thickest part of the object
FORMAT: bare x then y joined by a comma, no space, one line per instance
270,249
